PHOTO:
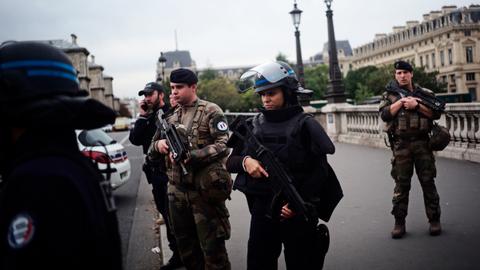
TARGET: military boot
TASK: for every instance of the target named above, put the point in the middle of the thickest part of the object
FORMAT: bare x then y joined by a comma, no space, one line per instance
399,229
174,262
435,228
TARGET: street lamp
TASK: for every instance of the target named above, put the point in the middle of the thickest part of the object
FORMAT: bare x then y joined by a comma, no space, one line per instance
336,90
296,14
162,60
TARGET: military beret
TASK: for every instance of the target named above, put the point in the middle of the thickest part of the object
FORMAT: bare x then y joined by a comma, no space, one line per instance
183,75
403,65
150,87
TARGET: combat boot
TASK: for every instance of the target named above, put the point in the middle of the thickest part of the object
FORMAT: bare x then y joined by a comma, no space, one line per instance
399,229
174,263
435,228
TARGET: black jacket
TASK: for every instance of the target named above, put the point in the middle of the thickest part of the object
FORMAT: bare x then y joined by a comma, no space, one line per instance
53,208
143,131
305,159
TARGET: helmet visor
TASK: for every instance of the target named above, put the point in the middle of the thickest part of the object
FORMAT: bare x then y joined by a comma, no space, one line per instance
270,72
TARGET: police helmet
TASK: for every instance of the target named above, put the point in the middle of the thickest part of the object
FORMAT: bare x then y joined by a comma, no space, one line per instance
39,85
269,75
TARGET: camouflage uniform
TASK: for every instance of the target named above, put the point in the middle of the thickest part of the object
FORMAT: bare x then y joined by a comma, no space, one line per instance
199,216
409,138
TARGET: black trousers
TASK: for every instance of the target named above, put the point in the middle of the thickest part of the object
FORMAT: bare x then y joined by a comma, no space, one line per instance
159,181
267,237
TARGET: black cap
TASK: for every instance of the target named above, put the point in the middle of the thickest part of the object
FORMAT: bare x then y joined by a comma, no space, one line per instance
403,65
183,75
150,87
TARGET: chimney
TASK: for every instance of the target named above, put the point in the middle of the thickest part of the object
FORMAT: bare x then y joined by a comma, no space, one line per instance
397,29
379,36
448,9
426,17
93,58
74,39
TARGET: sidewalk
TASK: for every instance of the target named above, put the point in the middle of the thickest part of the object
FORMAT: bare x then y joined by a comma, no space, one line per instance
143,237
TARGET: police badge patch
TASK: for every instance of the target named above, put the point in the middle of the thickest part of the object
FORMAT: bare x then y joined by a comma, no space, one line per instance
20,231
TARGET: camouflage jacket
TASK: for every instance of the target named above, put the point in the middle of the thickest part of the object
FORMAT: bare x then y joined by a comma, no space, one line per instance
405,123
206,130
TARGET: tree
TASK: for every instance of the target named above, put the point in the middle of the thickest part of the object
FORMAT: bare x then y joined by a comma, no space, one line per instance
316,79
222,92
283,57
208,74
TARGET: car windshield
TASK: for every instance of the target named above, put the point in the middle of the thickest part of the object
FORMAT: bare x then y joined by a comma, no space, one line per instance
94,137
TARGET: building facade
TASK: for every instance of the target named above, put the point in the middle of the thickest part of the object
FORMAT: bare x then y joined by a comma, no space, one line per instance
344,54
175,59
447,41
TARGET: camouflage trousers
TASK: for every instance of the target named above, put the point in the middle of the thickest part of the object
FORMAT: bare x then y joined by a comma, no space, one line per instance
200,229
406,156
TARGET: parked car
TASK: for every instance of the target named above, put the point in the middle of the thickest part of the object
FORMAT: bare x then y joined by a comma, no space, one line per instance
107,128
121,123
105,151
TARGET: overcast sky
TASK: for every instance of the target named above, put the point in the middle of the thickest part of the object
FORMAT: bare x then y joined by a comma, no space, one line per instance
127,37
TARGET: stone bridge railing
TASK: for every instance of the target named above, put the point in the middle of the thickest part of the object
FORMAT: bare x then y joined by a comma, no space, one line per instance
362,124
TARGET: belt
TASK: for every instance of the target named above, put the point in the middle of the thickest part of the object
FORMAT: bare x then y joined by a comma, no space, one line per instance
413,138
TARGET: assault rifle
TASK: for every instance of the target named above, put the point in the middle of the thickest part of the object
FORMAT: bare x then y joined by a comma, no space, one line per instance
281,181
431,102
175,144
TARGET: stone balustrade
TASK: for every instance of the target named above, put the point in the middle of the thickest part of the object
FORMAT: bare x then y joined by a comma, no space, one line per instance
361,124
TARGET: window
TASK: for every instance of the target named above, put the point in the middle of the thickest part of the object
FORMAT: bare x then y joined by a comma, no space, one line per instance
448,35
444,79
433,60
470,76
467,33
421,61
452,78
450,57
442,58
469,54
473,93
427,62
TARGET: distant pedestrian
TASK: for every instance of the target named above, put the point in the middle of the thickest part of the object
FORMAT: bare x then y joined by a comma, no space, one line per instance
408,125
56,208
154,166
199,216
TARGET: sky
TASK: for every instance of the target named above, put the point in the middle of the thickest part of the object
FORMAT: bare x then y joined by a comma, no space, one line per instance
127,37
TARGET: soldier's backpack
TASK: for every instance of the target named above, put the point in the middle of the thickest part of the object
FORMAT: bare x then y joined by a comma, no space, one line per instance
439,137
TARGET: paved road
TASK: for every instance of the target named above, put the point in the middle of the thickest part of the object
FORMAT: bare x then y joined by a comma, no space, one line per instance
361,224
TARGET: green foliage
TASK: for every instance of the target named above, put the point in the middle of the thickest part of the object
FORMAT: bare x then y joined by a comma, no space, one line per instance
370,81
428,80
283,57
208,74
224,93
316,79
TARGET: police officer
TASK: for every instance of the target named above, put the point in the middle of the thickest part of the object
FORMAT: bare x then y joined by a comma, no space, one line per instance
154,166
301,145
56,209
408,124
198,213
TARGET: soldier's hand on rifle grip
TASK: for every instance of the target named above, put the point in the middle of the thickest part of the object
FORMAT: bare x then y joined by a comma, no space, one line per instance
162,146
411,103
287,212
253,168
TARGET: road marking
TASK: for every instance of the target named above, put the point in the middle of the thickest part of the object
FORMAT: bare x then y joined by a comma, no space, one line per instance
124,139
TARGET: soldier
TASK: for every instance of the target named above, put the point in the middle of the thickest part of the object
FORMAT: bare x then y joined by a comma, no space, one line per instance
408,124
154,166
56,209
301,146
198,213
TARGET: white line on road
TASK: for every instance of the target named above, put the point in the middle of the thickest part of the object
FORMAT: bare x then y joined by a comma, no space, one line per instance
124,139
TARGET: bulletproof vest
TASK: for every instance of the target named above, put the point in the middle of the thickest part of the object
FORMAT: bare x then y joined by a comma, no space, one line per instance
410,123
283,139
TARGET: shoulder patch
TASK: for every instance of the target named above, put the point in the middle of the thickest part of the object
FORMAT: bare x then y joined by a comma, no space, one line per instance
20,231
220,124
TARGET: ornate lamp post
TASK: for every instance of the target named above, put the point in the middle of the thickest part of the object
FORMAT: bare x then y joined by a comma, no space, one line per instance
162,60
296,14
336,90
